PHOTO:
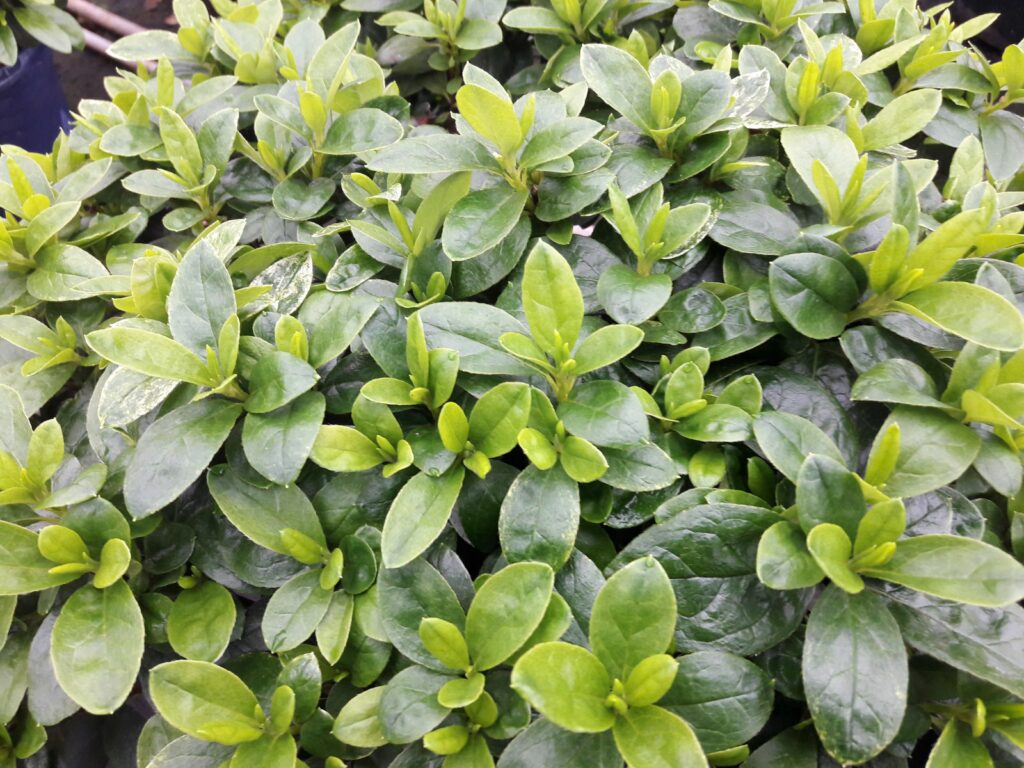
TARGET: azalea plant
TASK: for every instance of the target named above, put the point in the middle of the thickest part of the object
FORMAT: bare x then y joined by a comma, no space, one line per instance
474,384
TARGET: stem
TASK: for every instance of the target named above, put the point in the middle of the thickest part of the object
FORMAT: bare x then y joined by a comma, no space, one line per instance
234,391
562,386
903,86
873,307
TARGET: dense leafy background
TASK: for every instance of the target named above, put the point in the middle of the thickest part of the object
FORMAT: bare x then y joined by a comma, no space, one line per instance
570,384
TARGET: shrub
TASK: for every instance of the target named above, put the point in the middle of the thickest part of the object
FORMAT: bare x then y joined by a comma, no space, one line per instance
554,386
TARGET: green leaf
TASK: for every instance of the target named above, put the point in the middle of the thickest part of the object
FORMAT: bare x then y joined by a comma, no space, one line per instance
434,153
567,684
724,698
829,146
407,596
795,747
97,646
544,743
885,522
182,147
200,624
692,310
481,220
775,234
827,492
278,443
813,292
786,439
619,80
855,674
461,691
201,300
300,199
497,418
23,569
294,612
263,513
267,752
173,453
902,118
206,702
409,708
969,311
629,297
505,612
536,21
149,353
492,116
783,560
652,736
16,431
650,680
419,515
934,450
333,632
45,451
557,141
276,380
344,449
831,549
48,224
633,617
957,747
540,516
897,381
473,330
14,660
358,723
606,413
445,643
981,641
605,346
361,130
639,468
552,300
582,460
337,319
955,568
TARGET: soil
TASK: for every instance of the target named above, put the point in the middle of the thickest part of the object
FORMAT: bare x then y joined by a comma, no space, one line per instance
82,72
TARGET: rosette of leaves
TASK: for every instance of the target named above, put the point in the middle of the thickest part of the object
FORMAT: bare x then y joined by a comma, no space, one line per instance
652,396
536,154
442,36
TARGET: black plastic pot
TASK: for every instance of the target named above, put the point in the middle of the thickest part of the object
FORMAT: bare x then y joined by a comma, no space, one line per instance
32,106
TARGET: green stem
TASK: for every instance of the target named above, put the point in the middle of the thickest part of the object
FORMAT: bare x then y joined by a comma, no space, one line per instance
873,307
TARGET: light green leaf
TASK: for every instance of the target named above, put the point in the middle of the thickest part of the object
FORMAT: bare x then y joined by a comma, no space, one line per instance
418,515
969,311
633,617
506,611
200,624
97,646
552,300
567,684
655,738
481,220
206,701
955,568
174,452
